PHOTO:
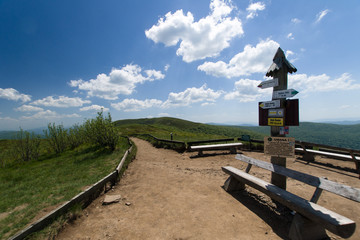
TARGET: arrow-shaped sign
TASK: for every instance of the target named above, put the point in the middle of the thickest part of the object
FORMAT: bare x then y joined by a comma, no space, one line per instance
269,83
284,93
270,104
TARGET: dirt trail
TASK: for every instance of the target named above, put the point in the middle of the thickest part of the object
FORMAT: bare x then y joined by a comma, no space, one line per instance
173,196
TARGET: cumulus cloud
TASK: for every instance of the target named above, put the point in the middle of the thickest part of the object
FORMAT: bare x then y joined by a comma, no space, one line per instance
253,9
192,95
198,40
251,60
246,90
119,81
61,101
321,15
134,105
94,107
29,108
322,83
295,20
290,36
49,115
203,95
14,95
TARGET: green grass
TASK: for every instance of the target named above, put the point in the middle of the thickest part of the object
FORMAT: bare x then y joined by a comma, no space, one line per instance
182,130
27,188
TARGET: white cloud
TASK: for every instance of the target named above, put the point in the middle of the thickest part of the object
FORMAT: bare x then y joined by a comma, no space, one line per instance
321,83
246,90
321,15
198,40
119,81
163,115
167,66
48,114
192,95
14,95
295,20
61,101
252,60
29,108
134,105
94,107
253,8
290,36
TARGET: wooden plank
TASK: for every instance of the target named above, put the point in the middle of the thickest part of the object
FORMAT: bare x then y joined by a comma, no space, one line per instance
332,221
334,187
329,154
211,141
216,146
327,146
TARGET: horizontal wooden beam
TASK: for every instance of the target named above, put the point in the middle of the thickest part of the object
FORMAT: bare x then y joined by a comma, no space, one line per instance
216,146
322,183
330,220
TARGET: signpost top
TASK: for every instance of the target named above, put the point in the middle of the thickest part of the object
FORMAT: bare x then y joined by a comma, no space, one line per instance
280,61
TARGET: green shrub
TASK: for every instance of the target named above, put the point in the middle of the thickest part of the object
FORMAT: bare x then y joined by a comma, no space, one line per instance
76,136
26,147
101,131
56,137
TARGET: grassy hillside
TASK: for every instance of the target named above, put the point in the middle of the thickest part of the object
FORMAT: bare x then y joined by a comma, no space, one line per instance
182,130
346,136
324,133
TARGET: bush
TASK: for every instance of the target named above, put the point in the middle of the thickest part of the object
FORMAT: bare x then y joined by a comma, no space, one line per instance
101,131
56,137
76,136
26,147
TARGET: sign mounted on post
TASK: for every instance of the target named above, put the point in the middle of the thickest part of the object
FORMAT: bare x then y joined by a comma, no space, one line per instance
288,93
277,122
279,146
270,104
279,112
269,83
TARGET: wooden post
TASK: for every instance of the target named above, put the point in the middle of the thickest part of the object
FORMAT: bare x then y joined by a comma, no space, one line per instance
276,179
279,69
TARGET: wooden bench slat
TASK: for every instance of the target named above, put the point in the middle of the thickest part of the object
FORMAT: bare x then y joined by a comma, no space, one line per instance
328,154
322,183
332,221
215,146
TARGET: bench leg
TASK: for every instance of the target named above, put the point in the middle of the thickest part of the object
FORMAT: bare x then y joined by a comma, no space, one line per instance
232,184
200,153
233,150
309,157
304,229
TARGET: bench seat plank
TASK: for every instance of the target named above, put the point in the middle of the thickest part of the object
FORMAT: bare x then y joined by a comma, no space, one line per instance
216,146
322,183
332,221
339,155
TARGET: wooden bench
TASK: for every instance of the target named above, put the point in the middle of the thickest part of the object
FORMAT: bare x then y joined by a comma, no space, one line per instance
309,155
226,146
311,219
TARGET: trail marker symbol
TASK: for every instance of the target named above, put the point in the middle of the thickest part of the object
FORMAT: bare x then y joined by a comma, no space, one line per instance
269,83
270,104
288,93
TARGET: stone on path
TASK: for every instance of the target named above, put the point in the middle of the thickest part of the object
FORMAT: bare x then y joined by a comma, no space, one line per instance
109,199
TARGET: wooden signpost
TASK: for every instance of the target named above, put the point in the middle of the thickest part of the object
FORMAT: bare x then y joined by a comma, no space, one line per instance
277,113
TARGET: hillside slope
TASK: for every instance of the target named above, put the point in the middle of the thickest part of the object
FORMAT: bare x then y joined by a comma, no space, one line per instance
182,130
346,136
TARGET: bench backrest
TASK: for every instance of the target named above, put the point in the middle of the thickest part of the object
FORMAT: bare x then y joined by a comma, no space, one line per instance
318,182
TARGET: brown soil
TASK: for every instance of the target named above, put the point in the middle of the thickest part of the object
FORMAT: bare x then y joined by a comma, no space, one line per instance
167,195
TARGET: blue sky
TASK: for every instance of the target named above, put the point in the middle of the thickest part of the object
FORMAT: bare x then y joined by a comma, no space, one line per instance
62,61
